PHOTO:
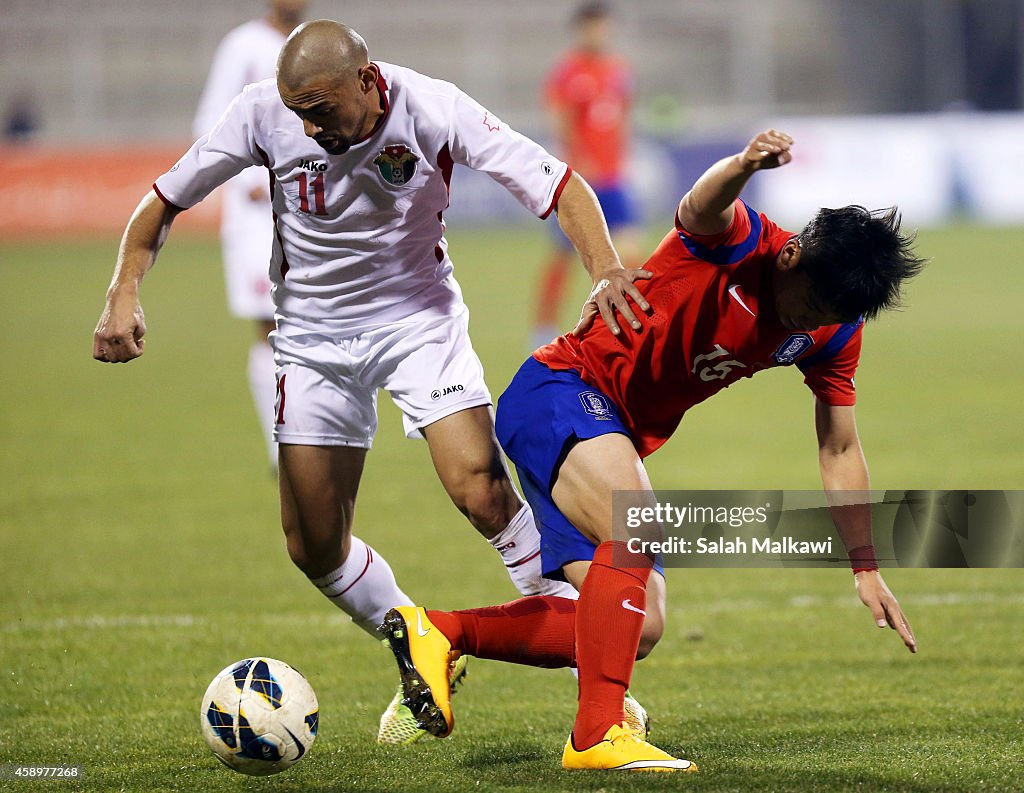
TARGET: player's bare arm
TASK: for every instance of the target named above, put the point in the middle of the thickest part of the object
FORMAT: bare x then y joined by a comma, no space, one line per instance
580,216
119,332
708,207
844,475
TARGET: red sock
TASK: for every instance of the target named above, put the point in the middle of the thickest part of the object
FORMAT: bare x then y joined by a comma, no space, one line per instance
552,288
609,619
536,631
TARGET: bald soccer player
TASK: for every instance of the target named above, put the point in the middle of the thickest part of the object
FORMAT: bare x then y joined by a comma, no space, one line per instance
360,155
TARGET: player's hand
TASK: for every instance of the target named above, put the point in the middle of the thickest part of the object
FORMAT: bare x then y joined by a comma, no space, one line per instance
611,294
118,336
770,149
876,596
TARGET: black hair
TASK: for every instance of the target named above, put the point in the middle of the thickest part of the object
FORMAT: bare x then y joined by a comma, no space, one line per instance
595,9
857,260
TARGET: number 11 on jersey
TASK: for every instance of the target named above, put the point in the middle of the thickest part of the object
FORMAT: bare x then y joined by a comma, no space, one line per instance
317,185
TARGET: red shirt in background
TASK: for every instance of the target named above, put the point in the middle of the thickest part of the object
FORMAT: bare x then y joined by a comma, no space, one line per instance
593,92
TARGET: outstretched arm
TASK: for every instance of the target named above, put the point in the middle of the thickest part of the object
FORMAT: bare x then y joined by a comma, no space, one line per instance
844,474
708,207
119,332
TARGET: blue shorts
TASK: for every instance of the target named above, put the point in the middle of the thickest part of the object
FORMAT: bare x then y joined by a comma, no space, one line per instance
617,207
540,417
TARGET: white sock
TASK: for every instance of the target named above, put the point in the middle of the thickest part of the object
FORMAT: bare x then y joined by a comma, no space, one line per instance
519,546
363,587
261,371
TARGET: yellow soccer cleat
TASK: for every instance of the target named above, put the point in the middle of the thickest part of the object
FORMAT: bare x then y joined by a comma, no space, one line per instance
636,717
622,750
398,726
423,655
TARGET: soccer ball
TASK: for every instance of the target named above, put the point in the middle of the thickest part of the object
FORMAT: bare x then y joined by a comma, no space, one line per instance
259,716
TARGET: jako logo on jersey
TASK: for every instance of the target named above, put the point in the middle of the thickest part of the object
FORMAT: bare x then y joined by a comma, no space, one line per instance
596,405
396,163
309,165
792,348
546,167
436,394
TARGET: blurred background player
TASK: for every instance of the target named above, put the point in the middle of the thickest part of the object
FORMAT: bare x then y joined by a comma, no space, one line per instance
246,55
21,120
588,94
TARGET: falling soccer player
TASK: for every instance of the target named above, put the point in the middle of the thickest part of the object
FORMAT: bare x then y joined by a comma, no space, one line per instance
730,294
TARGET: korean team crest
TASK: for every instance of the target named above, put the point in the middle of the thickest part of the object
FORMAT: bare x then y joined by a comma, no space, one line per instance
396,163
596,404
795,345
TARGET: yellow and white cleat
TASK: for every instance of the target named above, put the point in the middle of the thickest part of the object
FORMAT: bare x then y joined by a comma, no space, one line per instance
622,750
398,726
423,655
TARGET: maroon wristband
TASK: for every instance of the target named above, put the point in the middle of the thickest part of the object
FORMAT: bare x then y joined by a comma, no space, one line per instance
863,559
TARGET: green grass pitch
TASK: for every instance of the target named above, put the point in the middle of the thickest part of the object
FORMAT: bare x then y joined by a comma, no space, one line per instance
140,553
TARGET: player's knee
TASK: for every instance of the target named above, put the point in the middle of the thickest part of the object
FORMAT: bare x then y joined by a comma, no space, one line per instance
651,634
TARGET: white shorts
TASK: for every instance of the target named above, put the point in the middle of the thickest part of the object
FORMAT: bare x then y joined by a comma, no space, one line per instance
247,237
327,386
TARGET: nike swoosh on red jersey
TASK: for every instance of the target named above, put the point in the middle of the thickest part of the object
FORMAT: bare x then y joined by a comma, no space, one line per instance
734,293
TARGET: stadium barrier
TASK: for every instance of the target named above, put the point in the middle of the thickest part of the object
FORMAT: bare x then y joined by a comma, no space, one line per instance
69,191
935,166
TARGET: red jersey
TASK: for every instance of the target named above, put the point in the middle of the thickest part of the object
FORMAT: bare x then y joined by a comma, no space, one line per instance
593,92
713,322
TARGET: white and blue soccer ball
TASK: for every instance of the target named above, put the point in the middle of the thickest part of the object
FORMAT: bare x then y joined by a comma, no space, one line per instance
259,716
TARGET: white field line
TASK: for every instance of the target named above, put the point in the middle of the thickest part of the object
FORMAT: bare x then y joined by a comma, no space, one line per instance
187,621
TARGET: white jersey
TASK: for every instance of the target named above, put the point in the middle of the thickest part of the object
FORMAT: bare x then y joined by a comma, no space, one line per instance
359,236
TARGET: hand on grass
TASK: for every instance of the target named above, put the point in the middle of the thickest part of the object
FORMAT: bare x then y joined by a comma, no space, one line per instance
876,596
